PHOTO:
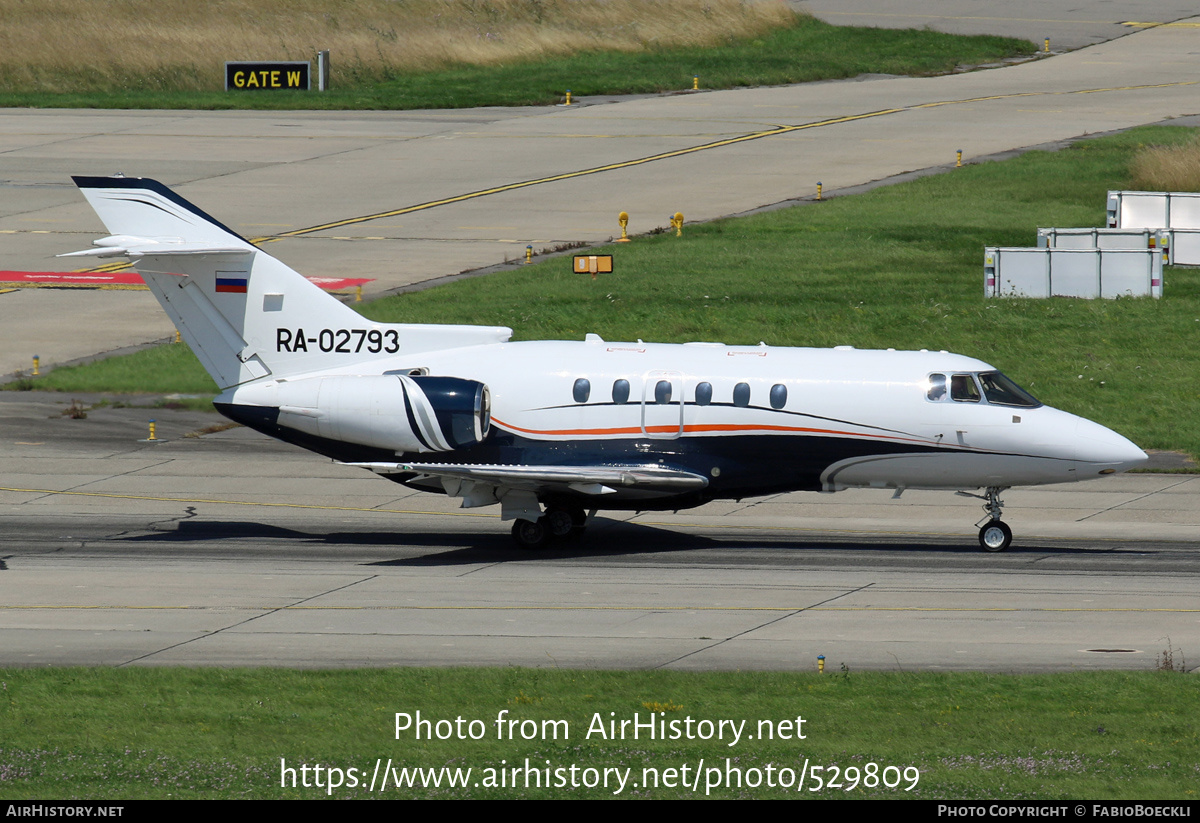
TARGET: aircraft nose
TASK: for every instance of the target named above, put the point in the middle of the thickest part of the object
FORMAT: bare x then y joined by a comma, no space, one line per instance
1103,451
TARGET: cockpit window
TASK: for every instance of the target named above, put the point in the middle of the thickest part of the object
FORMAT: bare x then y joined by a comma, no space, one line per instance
1002,391
963,388
937,387
997,390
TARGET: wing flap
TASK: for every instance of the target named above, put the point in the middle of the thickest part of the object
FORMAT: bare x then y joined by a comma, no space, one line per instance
589,480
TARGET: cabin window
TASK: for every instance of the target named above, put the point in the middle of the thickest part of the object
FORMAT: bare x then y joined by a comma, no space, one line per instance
620,392
1002,391
662,391
741,395
778,396
963,389
937,387
703,394
582,390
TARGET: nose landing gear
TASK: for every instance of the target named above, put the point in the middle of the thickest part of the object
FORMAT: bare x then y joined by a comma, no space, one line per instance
995,535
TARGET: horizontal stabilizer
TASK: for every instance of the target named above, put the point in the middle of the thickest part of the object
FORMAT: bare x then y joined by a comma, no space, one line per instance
124,245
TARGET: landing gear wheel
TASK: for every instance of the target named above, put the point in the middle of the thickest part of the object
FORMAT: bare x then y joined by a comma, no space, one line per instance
565,522
995,536
531,534
559,522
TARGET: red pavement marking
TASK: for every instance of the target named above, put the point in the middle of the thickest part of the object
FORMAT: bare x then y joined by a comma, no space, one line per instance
99,279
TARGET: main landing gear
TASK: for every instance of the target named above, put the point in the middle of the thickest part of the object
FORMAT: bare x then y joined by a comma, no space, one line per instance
995,535
558,523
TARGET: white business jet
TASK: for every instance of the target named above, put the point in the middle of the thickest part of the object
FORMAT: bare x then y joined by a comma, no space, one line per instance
555,430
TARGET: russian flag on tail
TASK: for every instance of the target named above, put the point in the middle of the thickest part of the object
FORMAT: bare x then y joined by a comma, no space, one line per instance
231,285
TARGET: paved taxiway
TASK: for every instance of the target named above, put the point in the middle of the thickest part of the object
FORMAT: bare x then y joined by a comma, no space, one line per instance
233,549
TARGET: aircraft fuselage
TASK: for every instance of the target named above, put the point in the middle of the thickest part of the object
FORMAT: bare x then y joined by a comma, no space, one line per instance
752,420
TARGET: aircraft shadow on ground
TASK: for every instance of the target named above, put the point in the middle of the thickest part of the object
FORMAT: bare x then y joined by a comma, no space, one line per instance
608,539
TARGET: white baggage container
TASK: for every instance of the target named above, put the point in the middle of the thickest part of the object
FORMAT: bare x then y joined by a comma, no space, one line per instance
1086,273
1183,247
1153,210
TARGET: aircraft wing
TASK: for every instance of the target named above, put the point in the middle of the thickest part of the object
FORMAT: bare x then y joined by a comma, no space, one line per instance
590,480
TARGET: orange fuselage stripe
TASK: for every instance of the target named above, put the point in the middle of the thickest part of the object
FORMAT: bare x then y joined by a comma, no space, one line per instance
692,429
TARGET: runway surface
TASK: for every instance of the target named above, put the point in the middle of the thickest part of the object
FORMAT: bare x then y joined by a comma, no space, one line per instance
229,549
232,549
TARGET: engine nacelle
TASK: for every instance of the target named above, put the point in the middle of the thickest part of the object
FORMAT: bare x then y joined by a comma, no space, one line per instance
403,413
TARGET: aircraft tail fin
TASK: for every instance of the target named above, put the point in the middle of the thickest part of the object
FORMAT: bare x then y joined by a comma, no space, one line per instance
246,315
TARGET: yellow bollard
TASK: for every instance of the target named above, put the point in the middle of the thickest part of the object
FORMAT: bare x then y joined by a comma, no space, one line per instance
623,219
958,163
153,438
677,223
1047,45
695,82
528,255
36,361
358,294
818,189
820,663
568,97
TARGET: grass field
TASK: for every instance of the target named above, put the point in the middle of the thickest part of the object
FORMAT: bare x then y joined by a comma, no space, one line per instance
442,53
73,45
177,733
900,266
